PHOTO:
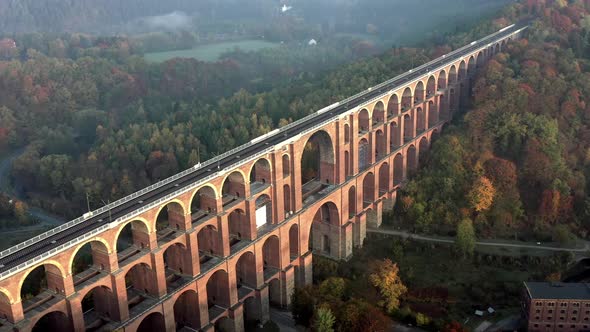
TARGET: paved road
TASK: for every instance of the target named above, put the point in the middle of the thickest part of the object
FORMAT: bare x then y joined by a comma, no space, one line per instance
283,319
405,234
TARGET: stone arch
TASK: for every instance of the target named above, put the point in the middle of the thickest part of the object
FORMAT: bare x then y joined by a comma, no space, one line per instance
412,159
53,321
442,80
260,173
287,204
234,187
246,272
480,60
209,242
263,202
462,72
346,133
44,277
430,86
383,179
317,164
408,127
171,216
186,310
177,262
325,229
453,75
98,307
89,259
420,120
351,202
347,164
398,169
364,123
239,226
271,255
380,144
419,92
407,101
286,165
294,241
378,113
393,106
131,237
364,158
368,190
395,135
432,113
218,292
139,281
251,313
152,323
203,203
471,66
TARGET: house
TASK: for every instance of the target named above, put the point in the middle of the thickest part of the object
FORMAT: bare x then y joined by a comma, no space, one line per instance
7,43
556,306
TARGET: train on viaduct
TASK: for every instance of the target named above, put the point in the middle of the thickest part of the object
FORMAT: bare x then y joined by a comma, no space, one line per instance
213,247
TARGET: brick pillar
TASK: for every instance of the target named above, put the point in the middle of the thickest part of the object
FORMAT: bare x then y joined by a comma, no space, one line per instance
414,121
232,286
379,210
296,175
169,321
193,248
263,303
120,292
75,304
223,233
15,311
287,285
159,271
251,218
236,313
346,241
357,238
203,306
402,126
305,263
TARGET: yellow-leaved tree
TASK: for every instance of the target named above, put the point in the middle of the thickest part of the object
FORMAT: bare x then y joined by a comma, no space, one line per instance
385,277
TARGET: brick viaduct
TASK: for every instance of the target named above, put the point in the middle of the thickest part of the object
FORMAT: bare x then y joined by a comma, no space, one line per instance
216,257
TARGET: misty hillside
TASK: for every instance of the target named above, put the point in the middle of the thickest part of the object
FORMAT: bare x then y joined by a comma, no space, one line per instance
115,16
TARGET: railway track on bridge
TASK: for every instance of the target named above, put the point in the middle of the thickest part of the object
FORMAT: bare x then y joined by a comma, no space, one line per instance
16,258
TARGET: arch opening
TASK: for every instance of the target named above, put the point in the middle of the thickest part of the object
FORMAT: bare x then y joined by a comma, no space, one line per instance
203,205
325,230
395,140
420,120
317,167
407,101
368,190
294,241
260,176
346,134
393,106
152,323
432,113
398,169
364,125
381,144
251,314
53,321
423,150
99,308
364,148
453,75
430,87
41,285
133,238
209,244
287,204
89,261
412,160
408,127
234,189
471,67
170,219
351,202
177,265
378,114
140,284
186,311
347,165
239,227
218,294
271,257
274,293
480,60
383,179
419,95
263,211
442,81
246,274
286,165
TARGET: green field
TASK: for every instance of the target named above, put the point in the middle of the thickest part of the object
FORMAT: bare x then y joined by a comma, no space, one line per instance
210,52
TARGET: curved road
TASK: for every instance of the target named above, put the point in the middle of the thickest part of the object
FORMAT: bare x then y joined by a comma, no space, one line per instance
439,239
